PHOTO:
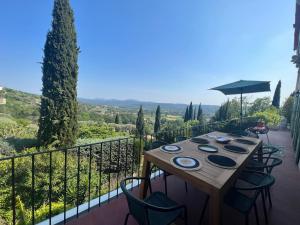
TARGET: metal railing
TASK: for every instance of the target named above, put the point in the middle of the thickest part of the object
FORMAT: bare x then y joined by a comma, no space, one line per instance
37,186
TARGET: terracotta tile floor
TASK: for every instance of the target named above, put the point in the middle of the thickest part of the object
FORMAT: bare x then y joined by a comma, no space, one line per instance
285,195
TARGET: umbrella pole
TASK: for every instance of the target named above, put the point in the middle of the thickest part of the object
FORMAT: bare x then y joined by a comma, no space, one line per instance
241,114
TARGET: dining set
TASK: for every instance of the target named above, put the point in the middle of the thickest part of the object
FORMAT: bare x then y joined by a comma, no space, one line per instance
231,168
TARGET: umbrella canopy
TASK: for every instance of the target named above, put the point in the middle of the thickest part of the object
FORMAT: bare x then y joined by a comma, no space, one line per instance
244,87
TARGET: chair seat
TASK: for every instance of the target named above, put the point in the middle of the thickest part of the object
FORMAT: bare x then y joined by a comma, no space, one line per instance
162,218
257,179
239,201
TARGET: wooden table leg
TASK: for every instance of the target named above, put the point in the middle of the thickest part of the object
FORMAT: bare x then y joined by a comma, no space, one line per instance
215,212
145,173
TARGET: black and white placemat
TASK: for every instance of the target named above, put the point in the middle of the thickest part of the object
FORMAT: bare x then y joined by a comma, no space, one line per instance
172,149
186,163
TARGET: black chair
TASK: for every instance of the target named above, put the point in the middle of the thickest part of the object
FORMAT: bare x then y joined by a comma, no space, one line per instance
157,144
243,199
267,151
156,209
266,164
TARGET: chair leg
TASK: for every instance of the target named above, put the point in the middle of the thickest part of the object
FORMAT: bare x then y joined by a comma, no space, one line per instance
268,138
186,187
165,180
247,219
269,197
203,209
126,219
185,216
264,206
256,214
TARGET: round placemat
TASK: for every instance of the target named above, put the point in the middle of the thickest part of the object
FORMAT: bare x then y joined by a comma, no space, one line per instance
245,141
208,148
186,163
172,149
199,140
223,140
236,149
221,161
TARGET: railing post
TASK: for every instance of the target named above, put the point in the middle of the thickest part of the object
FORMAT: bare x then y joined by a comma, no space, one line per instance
32,189
13,190
78,177
50,188
65,184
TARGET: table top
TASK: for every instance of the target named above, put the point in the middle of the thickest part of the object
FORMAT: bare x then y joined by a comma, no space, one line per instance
209,176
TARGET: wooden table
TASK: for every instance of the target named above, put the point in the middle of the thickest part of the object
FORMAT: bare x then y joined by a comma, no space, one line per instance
212,180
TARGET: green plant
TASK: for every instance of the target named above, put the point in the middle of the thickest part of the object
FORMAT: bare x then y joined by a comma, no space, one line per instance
287,108
270,116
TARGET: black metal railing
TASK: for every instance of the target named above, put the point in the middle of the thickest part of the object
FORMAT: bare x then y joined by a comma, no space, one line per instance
54,186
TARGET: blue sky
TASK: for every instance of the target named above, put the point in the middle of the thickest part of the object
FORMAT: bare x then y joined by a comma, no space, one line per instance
159,50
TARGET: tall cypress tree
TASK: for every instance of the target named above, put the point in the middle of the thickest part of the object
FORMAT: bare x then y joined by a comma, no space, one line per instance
186,115
157,120
200,114
195,113
140,124
191,111
58,111
276,98
117,119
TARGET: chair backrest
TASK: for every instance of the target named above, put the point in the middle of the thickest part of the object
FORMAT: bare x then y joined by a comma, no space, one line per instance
137,207
268,150
273,162
157,144
268,164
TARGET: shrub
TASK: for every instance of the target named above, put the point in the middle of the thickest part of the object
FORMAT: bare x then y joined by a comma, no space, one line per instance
287,108
270,116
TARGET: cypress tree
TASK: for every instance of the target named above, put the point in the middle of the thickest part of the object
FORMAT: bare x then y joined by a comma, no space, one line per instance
195,113
117,119
191,111
140,124
157,120
58,111
276,98
186,115
200,114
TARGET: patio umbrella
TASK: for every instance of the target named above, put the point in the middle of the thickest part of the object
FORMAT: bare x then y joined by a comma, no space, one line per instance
243,87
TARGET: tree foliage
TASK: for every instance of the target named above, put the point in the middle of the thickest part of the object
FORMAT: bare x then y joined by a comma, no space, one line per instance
191,111
157,120
200,114
287,108
117,119
259,105
140,123
276,98
58,111
186,115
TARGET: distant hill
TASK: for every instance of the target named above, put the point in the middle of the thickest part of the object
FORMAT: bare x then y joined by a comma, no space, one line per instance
25,105
173,108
